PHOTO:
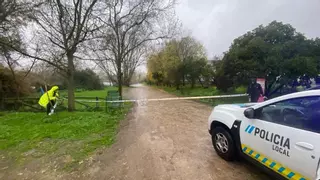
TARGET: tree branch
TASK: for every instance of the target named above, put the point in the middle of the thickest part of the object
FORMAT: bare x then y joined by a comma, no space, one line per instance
29,70
30,56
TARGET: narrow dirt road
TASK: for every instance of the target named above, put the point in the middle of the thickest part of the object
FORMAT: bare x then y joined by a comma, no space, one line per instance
164,140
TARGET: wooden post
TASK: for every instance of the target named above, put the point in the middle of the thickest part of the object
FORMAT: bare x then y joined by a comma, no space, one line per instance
106,104
1,96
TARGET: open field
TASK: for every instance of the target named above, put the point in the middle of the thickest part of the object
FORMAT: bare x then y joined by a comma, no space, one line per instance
96,93
89,96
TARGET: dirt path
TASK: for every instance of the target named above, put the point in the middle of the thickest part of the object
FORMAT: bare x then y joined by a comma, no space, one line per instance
166,140
159,141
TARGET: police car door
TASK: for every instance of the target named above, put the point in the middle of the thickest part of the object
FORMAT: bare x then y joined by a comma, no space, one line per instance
289,133
252,133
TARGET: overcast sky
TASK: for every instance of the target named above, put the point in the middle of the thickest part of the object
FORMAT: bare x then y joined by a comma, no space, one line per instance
217,22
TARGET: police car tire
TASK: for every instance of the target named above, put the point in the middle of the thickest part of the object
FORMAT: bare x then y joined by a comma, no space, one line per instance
230,154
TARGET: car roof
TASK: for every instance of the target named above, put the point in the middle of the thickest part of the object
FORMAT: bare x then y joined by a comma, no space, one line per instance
289,96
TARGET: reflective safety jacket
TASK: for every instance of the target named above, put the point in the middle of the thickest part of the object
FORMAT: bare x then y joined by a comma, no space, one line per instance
52,94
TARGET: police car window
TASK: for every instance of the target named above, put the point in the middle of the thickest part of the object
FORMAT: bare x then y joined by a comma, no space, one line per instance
302,113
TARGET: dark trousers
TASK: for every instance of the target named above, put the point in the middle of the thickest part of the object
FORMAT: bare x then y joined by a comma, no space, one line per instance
254,99
50,106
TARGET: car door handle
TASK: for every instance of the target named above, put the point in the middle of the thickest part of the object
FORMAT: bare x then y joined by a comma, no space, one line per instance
305,146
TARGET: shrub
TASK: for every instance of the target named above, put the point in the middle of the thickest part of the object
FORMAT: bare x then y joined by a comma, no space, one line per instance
241,90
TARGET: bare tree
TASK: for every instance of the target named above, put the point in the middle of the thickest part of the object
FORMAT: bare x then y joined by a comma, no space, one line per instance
63,25
131,62
45,73
14,14
13,63
130,25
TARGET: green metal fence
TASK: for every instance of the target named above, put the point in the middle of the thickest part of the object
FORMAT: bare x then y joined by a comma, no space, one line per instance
81,103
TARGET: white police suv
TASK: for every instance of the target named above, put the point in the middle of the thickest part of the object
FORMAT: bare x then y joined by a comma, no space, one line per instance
281,134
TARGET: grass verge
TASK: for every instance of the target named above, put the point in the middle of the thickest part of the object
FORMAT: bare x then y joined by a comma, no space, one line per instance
74,134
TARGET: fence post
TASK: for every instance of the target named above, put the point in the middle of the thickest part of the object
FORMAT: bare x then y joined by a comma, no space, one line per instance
1,103
106,104
97,103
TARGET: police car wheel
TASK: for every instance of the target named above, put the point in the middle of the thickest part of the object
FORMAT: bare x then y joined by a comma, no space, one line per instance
223,143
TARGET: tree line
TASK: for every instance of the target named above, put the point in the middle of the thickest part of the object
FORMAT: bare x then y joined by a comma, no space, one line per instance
113,34
20,83
268,52
180,62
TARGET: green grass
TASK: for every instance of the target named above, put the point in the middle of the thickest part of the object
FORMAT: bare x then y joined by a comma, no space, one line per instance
92,94
76,134
211,91
27,135
97,93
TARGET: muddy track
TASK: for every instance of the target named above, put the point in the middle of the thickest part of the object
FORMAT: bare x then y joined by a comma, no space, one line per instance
166,140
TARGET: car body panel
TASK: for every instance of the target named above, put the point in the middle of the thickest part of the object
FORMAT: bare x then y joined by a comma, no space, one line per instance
228,114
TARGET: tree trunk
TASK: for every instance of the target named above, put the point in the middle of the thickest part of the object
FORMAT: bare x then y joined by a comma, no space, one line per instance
177,86
1,96
71,104
200,81
126,80
183,80
119,77
18,90
193,82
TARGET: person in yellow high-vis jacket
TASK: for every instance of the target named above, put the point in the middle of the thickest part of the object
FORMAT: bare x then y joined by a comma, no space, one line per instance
48,99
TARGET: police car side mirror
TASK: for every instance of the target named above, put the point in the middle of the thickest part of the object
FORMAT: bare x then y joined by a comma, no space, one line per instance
249,113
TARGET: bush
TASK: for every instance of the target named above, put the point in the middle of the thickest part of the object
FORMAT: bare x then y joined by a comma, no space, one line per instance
241,90
13,86
86,80
223,83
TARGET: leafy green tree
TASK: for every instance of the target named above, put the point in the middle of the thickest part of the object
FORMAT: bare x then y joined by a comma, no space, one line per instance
87,79
177,62
189,51
269,51
156,69
194,69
